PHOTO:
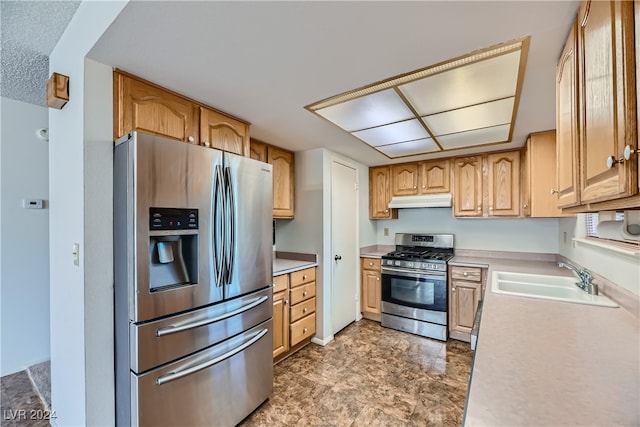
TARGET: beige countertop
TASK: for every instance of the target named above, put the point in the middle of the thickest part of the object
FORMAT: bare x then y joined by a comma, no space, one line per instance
287,262
543,363
376,251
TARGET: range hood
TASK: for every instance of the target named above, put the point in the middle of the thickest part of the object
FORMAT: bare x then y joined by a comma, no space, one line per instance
426,201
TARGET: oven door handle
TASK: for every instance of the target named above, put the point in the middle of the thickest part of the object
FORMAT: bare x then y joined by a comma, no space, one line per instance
415,275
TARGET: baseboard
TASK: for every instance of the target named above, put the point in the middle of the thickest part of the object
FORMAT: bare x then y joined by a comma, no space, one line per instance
324,342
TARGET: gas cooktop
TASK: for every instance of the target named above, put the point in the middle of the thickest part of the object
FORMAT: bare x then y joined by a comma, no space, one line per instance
421,251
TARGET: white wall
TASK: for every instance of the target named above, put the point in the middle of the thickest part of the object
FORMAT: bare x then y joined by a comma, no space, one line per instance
310,231
538,235
81,331
621,269
24,255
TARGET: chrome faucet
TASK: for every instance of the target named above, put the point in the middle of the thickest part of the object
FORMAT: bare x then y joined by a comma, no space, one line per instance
585,278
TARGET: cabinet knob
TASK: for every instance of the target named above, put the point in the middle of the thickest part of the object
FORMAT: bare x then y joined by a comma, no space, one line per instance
414,187
424,186
453,289
465,274
304,310
378,279
490,208
304,331
479,208
191,139
370,263
304,294
304,277
553,191
286,302
386,211
626,155
207,144
525,206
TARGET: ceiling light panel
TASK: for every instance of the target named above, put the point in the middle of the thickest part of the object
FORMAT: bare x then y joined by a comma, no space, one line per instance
393,133
476,83
369,111
469,118
475,137
410,148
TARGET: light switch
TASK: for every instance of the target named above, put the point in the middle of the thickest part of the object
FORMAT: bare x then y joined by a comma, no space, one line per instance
386,231
76,254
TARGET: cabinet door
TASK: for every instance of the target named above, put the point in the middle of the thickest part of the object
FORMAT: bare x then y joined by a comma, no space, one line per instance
607,99
504,183
567,190
258,150
380,193
144,107
223,132
404,179
280,323
541,149
433,177
463,305
468,186
371,291
283,181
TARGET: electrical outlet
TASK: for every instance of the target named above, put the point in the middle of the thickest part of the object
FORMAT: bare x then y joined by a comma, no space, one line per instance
76,254
386,231
564,237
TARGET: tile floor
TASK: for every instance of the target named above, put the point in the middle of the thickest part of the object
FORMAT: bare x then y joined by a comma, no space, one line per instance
369,376
21,405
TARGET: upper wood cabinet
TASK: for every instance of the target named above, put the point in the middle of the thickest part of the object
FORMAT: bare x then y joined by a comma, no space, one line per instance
404,179
380,193
539,198
567,146
607,99
283,163
433,176
283,181
224,133
467,186
410,179
503,183
145,107
487,185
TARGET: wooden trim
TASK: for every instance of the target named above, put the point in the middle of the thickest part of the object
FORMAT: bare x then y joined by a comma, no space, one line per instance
57,91
632,202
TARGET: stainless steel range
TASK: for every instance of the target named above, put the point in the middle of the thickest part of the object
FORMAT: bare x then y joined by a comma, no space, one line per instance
414,284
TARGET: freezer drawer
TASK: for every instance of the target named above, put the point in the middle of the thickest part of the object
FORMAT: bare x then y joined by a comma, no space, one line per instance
156,343
217,386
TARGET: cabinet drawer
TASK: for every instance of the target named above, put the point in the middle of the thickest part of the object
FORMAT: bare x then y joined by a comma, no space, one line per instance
303,328
303,276
302,293
473,274
305,308
281,283
371,263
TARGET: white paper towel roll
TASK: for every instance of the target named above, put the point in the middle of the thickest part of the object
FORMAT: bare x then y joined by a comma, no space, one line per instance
614,230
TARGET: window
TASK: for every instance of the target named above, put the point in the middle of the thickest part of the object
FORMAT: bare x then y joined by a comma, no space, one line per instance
613,232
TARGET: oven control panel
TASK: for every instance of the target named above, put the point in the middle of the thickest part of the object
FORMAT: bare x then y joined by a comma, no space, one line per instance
415,265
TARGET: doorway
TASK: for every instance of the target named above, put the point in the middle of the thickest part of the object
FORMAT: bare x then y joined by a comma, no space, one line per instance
344,245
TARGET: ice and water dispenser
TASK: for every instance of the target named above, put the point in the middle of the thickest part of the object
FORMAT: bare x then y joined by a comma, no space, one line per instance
173,248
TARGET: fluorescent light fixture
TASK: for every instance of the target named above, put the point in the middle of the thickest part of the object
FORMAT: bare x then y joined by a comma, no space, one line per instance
465,102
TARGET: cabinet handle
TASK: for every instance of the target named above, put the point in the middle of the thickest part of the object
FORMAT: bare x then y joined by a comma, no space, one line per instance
304,331
304,294
191,139
626,155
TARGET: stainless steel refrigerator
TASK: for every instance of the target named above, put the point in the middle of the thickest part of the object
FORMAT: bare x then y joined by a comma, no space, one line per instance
193,274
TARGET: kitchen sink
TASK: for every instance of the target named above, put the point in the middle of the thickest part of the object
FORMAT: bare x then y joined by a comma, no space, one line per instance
554,288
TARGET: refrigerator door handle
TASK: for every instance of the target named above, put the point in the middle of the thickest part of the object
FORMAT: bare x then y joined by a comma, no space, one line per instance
172,329
171,376
230,233
219,237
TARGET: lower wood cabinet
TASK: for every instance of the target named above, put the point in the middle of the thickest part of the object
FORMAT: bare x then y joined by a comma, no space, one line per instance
371,294
465,290
294,311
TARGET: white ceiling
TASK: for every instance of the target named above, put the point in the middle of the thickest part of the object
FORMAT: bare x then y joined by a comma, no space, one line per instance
264,61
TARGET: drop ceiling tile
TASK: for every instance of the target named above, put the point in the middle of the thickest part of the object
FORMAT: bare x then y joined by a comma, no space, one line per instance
420,146
478,116
478,82
393,133
475,137
372,110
